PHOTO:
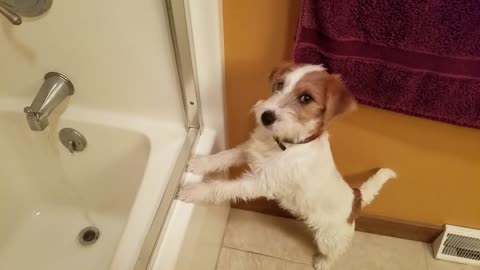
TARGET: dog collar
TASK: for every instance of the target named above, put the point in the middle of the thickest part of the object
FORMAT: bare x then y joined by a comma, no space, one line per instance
282,146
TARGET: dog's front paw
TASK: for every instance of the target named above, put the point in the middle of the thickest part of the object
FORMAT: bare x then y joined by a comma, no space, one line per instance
191,193
199,165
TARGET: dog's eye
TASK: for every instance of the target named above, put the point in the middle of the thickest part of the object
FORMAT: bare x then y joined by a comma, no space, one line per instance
305,99
278,86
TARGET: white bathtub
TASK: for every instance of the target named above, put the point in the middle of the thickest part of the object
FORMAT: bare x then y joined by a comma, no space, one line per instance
48,195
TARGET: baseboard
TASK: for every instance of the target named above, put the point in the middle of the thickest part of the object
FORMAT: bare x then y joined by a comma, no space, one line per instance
364,223
398,228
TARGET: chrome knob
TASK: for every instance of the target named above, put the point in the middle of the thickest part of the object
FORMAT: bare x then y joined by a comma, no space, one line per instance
72,139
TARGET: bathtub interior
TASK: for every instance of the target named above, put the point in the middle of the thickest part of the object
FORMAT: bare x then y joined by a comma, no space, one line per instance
48,195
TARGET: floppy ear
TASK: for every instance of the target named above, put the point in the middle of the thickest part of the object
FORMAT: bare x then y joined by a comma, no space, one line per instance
273,74
338,99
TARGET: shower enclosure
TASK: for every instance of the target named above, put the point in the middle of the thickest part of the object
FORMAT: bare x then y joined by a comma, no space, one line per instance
95,188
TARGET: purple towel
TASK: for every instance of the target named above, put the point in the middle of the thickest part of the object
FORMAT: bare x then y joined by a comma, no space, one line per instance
420,58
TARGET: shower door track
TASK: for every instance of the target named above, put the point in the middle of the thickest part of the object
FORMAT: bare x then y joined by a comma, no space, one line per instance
182,41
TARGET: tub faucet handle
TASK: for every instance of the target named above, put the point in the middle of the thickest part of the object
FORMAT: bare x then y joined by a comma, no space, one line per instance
72,139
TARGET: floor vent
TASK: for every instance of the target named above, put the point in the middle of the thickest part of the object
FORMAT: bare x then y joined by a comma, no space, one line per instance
458,244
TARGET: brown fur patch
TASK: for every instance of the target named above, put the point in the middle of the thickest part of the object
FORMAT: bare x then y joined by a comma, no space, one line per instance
330,97
339,100
356,205
313,85
309,112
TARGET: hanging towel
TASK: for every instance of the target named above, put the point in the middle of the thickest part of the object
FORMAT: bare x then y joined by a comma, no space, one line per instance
420,58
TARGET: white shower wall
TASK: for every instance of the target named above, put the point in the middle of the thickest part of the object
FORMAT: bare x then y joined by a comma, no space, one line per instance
118,54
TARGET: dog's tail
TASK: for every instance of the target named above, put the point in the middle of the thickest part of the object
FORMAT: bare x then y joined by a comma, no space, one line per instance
372,186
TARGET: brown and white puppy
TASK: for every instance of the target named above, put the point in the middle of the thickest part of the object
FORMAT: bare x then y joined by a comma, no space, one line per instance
290,159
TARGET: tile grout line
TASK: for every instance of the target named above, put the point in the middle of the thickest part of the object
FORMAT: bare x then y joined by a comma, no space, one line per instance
266,255
257,253
223,238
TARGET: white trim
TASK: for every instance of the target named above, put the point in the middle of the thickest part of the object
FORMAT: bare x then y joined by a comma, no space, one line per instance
207,31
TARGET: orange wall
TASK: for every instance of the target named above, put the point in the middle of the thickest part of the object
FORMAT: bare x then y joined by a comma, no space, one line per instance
438,164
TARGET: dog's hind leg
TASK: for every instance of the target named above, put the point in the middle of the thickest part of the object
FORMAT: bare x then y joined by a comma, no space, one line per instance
331,244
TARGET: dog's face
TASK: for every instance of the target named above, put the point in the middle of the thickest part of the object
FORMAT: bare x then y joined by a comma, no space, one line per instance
305,99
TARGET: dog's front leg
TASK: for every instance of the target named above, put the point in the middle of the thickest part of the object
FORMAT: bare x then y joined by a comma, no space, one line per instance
201,165
245,188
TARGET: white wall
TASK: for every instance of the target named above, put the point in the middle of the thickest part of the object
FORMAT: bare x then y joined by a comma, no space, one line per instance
118,54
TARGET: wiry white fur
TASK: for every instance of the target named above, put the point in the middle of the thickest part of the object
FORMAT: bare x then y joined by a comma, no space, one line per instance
303,179
372,186
219,162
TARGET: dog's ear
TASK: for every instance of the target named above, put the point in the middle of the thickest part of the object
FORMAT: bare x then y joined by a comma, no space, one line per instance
338,100
272,74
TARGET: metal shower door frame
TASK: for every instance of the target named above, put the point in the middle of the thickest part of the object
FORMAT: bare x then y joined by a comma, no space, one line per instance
182,41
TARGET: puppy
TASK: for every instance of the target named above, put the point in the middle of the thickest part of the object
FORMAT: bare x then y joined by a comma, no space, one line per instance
290,160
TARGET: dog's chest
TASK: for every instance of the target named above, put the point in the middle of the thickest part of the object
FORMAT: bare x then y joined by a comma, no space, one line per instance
260,153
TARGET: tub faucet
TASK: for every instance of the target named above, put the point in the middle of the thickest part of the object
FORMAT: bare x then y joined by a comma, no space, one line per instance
55,88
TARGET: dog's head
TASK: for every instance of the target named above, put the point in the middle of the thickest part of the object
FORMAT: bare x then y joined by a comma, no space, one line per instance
305,99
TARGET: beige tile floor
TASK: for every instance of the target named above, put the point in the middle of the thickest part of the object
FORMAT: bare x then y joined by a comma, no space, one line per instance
255,241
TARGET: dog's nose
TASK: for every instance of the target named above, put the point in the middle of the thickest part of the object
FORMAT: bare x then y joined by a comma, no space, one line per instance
268,117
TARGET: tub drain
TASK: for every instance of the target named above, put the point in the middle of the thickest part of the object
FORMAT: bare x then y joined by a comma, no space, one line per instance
88,236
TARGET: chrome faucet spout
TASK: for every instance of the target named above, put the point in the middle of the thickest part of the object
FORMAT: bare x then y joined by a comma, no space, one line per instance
55,88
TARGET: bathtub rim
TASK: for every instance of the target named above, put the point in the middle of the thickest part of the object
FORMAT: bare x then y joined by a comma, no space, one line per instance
160,220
